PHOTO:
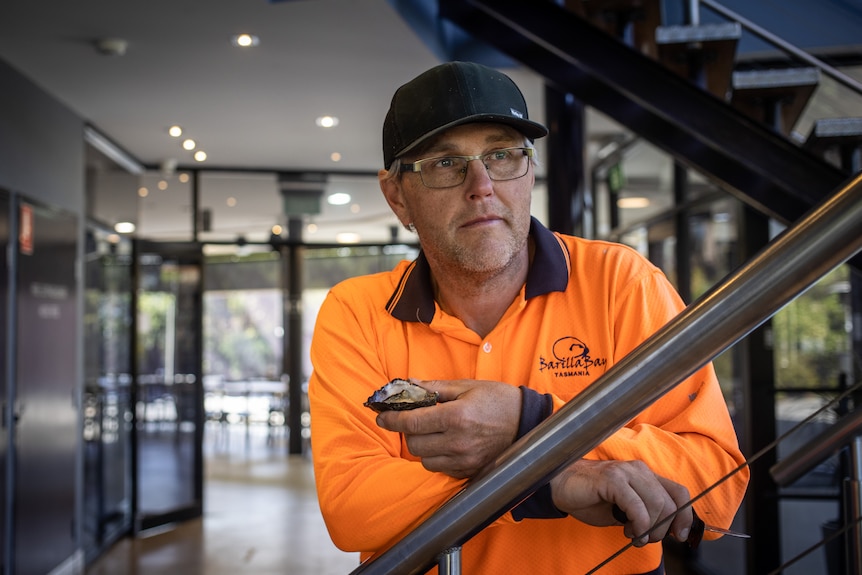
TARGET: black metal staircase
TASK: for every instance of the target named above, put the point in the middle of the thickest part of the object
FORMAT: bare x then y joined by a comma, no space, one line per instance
762,167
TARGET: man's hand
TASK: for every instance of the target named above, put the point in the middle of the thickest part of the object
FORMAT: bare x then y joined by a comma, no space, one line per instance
587,490
471,425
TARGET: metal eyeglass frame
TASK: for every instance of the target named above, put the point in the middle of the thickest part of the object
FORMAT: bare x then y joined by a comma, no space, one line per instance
416,167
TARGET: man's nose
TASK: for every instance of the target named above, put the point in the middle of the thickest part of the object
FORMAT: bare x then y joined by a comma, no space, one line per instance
477,173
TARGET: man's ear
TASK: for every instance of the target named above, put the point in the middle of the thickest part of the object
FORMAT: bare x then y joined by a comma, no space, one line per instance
394,194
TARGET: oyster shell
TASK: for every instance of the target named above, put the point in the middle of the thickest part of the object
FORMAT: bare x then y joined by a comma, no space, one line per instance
399,395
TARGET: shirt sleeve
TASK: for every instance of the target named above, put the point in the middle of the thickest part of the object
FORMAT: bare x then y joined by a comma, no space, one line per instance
687,435
371,490
535,408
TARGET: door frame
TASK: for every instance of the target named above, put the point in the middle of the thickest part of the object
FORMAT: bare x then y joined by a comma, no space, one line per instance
185,253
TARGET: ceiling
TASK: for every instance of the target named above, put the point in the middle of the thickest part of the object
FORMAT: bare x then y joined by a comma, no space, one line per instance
251,110
248,109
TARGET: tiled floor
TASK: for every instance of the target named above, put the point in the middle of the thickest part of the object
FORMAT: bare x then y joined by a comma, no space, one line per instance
260,517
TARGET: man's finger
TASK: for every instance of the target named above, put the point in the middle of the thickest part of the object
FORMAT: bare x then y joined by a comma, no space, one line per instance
449,390
419,421
681,523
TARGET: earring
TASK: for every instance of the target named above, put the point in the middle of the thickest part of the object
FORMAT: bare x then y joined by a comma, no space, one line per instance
410,227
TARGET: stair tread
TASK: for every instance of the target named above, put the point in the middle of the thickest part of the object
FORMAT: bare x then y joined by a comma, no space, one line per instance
705,53
776,78
683,34
834,131
774,95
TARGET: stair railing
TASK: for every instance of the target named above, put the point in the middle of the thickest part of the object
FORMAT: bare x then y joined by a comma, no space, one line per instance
826,237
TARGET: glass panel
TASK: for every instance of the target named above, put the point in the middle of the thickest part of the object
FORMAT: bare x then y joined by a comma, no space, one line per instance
712,227
325,267
169,397
812,335
107,390
243,348
712,231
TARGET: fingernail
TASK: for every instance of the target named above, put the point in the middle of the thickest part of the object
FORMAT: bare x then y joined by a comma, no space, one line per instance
683,535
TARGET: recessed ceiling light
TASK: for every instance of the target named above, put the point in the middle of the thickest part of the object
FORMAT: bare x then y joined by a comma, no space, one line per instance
347,238
636,202
326,121
175,131
338,199
184,178
124,227
200,156
189,144
143,192
245,40
335,157
231,202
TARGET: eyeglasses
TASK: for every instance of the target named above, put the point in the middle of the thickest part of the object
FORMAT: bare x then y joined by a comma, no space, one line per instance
450,171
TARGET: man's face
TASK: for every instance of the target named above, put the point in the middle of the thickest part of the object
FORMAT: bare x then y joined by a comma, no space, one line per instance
479,225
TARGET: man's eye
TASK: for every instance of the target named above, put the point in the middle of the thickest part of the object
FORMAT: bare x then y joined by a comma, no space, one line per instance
445,163
499,155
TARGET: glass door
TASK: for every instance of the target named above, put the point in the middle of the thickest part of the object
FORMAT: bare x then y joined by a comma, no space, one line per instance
168,390
107,405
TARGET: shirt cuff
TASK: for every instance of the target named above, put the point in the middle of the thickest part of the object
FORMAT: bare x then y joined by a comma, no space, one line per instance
535,408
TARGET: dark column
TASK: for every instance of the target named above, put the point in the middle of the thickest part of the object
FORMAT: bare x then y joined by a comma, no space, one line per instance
292,309
565,162
756,365
683,232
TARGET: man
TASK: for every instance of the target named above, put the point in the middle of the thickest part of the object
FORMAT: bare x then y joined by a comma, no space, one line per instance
507,321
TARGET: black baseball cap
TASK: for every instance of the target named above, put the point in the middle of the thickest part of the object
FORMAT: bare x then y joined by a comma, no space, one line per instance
449,95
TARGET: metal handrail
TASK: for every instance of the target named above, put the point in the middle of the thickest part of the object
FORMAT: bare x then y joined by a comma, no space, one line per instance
784,45
819,242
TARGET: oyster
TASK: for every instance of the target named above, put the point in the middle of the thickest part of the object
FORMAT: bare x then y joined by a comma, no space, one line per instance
399,395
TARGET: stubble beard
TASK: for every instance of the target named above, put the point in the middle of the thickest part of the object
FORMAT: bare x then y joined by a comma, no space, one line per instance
488,259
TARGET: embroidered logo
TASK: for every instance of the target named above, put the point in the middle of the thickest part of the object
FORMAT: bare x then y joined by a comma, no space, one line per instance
571,359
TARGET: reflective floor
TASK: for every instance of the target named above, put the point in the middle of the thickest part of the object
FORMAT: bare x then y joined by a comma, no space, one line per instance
260,517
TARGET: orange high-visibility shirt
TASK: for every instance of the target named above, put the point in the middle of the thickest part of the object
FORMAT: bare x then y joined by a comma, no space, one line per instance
585,305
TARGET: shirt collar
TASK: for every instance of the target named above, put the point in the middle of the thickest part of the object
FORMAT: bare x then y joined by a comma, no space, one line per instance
413,298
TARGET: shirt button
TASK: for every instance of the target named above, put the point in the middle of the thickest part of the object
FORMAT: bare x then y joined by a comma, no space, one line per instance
487,347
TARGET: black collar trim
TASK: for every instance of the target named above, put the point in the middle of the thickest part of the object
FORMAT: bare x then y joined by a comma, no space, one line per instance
413,298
